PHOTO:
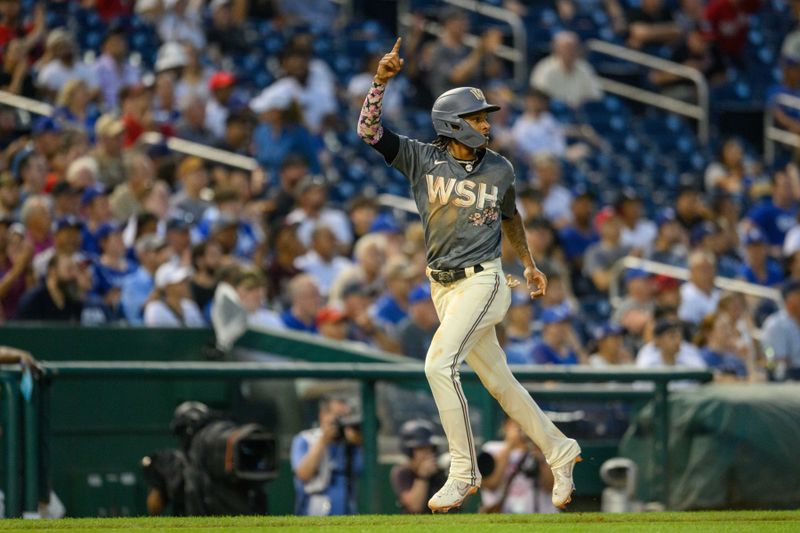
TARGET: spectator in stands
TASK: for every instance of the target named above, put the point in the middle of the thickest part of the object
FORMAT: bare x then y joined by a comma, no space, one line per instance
638,233
96,211
668,349
59,64
361,83
206,261
280,267
576,237
280,130
601,256
671,243
564,75
362,211
729,25
179,240
32,174
536,130
709,237
732,172
221,86
16,254
313,209
610,347
699,297
83,173
637,309
251,288
66,200
690,210
164,105
758,267
10,200
35,216
652,23
109,132
128,198
391,308
136,112
15,75
193,78
322,261
57,297
416,480
785,116
112,70
776,215
559,344
332,323
182,20
192,123
520,481
224,32
112,266
716,339
451,62
171,304
151,253
415,333
192,178
326,462
540,236
305,304
780,337
238,133
519,331
73,106
356,300
66,241
556,199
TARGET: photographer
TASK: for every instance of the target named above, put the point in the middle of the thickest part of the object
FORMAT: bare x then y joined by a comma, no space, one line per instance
326,461
516,478
420,478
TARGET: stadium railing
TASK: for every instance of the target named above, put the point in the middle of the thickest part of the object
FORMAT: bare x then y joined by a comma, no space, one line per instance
27,419
517,54
772,133
698,112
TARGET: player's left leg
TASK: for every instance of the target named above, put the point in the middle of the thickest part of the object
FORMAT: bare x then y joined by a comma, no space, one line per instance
488,360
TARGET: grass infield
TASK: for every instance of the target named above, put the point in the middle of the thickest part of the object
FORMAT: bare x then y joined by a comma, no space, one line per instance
711,522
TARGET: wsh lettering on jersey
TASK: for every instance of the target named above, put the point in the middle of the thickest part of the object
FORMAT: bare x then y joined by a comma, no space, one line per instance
440,190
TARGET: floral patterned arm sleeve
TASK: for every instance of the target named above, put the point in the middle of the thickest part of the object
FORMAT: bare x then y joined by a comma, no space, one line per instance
369,122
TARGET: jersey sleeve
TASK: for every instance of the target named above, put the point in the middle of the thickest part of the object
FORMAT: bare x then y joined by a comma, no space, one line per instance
508,206
412,157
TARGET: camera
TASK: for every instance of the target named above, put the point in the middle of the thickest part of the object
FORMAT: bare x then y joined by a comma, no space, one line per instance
348,421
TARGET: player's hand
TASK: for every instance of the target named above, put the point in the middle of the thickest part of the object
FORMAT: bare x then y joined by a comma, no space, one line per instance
537,282
427,467
330,431
390,64
511,281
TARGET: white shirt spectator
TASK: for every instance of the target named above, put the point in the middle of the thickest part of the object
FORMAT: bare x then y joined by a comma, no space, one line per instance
571,87
323,272
186,26
536,135
641,236
265,318
688,355
56,74
557,205
696,304
112,77
216,115
336,220
781,335
791,243
158,314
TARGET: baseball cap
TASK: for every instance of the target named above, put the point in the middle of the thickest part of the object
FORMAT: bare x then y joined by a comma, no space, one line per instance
68,222
107,229
330,314
635,273
46,125
384,223
108,126
220,80
171,55
63,188
170,274
556,313
90,193
150,243
607,330
420,293
754,236
664,325
666,283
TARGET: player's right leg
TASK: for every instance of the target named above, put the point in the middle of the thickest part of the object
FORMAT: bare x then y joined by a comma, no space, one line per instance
488,360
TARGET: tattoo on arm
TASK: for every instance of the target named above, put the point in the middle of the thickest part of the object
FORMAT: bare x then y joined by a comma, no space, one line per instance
515,234
369,122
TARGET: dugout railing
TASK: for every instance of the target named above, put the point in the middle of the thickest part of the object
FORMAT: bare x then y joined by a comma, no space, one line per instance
27,420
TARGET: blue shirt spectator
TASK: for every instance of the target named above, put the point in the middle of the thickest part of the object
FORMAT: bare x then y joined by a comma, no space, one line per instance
775,216
758,266
726,363
555,348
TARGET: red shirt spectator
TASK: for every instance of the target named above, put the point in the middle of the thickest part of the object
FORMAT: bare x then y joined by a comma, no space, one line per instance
728,24
111,9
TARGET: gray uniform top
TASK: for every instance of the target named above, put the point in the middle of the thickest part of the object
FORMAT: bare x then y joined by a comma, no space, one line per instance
461,211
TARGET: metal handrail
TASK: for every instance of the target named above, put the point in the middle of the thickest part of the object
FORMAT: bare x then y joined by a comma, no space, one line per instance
654,267
774,134
517,54
698,112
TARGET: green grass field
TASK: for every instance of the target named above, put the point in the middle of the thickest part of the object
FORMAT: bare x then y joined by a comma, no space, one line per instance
711,522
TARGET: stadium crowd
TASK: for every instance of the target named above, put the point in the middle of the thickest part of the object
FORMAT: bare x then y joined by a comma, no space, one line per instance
98,225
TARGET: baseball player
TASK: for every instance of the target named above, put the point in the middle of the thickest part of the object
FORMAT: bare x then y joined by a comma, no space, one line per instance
465,194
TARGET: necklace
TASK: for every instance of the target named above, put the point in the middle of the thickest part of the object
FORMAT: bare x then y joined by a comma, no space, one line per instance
468,163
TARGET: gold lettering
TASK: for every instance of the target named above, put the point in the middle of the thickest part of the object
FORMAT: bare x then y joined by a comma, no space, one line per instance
483,196
466,197
438,190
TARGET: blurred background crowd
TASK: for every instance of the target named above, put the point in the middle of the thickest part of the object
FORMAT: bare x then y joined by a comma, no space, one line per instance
101,225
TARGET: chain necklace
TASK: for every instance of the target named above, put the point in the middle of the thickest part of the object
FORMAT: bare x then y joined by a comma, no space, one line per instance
468,163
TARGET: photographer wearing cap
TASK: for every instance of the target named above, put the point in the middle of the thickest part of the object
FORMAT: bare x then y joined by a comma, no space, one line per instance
326,461
415,481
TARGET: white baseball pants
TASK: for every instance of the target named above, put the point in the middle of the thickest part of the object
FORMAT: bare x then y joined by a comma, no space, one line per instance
468,311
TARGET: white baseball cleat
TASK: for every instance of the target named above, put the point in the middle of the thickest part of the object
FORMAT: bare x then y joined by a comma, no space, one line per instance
563,486
451,495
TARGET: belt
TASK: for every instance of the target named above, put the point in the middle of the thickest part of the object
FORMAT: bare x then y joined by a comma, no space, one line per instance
446,277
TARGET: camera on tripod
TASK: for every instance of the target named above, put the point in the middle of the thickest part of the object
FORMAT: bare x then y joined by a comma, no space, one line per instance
350,421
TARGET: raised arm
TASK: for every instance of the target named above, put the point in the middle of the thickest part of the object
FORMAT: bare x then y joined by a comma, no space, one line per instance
515,233
369,122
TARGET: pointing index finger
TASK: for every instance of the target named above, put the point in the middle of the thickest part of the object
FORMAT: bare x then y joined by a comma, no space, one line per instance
396,48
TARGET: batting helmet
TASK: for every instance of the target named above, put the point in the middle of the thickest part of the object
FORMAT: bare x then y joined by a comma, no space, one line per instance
416,434
450,109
